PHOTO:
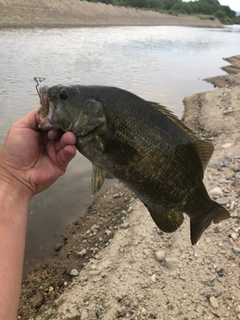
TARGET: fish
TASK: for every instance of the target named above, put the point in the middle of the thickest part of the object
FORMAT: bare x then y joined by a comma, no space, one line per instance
142,144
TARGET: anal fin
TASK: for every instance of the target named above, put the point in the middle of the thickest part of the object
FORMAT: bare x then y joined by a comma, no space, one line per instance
167,220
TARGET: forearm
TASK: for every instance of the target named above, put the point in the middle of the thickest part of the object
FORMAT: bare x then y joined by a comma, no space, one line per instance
14,202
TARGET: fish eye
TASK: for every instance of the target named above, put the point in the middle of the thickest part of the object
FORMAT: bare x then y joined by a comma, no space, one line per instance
63,94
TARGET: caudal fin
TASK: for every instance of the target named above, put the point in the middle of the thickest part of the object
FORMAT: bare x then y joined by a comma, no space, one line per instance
199,225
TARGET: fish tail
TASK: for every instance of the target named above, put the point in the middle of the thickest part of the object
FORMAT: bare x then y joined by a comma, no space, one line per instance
198,225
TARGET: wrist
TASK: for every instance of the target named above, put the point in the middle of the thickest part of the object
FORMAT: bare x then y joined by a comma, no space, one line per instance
14,188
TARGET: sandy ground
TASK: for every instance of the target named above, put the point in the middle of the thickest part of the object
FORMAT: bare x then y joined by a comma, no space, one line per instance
116,264
57,13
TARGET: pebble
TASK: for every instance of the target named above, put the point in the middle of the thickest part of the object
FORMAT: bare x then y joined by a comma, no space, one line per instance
74,272
226,145
171,264
227,112
216,192
98,312
121,312
220,271
144,311
236,250
160,255
225,161
116,195
108,232
234,235
82,253
217,293
212,278
234,214
214,302
84,315
223,200
153,278
94,272
125,225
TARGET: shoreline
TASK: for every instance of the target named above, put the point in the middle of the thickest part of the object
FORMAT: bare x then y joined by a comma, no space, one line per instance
56,14
116,263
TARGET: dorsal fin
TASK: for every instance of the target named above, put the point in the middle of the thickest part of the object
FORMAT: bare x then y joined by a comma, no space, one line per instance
204,148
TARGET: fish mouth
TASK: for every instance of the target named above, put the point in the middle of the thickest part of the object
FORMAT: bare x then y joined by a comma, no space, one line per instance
45,112
45,122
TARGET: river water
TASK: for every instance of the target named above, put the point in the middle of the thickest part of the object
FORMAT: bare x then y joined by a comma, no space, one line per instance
162,64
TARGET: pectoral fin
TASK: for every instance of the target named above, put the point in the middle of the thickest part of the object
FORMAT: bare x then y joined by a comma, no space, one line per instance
166,219
98,177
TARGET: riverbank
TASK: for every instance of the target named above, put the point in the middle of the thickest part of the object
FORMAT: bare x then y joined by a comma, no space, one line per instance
57,13
115,264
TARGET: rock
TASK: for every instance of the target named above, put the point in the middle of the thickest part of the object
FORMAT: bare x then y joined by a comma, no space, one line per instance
98,312
121,312
82,253
171,264
226,145
116,195
234,235
160,255
210,177
108,232
236,250
212,278
37,301
153,278
144,311
125,225
213,302
84,315
238,309
72,265
225,161
217,293
216,192
220,272
94,272
227,112
223,200
234,214
74,272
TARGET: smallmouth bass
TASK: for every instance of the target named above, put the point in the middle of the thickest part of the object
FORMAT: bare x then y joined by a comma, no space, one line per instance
143,145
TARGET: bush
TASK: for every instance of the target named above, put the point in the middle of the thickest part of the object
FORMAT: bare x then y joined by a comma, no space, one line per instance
220,14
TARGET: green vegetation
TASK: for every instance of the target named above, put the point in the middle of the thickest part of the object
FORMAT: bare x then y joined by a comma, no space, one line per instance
211,9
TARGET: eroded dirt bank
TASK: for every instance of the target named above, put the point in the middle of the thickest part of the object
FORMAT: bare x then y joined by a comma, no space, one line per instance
57,13
116,264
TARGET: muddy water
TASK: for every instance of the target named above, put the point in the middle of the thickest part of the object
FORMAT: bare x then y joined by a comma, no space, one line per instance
162,64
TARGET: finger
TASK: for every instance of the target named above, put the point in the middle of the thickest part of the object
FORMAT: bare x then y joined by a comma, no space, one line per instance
54,134
67,138
65,155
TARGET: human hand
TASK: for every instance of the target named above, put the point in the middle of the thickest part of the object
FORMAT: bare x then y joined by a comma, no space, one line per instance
32,160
